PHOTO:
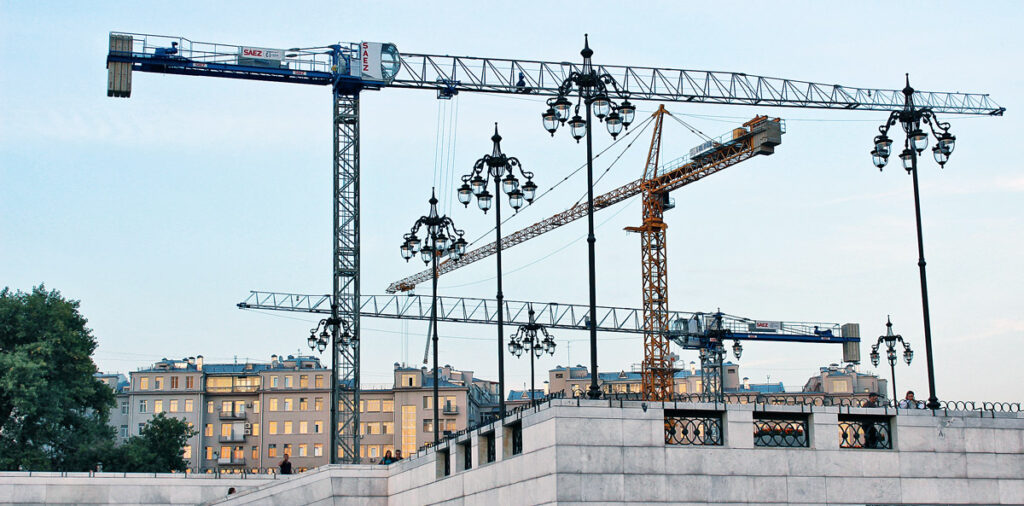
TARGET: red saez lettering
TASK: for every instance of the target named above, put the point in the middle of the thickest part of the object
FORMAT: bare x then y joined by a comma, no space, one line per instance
252,52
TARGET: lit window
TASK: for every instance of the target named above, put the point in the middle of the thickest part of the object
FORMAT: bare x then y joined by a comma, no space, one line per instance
225,406
428,402
303,403
173,405
287,427
274,381
373,405
319,381
255,429
428,426
388,428
188,405
208,430
374,451
318,427
143,383
158,406
272,450
255,406
209,453
288,381
302,449
318,403
318,448
209,406
388,406
288,449
303,427
187,451
288,404
273,404
273,427
225,430
255,452
304,381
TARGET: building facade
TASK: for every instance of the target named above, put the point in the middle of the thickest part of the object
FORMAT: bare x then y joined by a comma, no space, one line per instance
574,381
248,416
839,380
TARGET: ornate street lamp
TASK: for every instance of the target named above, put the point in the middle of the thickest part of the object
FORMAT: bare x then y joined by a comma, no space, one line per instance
916,141
336,332
593,91
501,168
441,239
526,339
890,341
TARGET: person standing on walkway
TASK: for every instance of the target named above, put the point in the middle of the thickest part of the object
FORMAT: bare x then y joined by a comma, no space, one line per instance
286,467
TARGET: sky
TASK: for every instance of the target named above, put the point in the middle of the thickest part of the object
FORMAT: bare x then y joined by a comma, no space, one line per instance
160,212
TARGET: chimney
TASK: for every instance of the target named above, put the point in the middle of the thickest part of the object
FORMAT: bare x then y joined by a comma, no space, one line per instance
273,360
199,362
191,360
746,383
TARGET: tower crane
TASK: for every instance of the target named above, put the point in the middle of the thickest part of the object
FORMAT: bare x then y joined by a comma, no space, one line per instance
350,68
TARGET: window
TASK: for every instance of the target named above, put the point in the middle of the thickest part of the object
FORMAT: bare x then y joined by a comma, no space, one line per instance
374,451
225,452
173,405
558,375
373,405
302,449
274,381
303,403
273,427
124,407
271,450
303,427
158,406
190,382
288,380
373,428
318,427
681,388
409,380
288,404
188,405
428,426
174,382
409,429
287,448
225,406
273,404
388,428
255,406
208,430
143,383
428,402
362,406
209,406
143,408
387,406
319,381
239,453
255,452
304,381
318,448
255,429
187,451
225,430
449,425
287,427
158,383
318,403
124,431
141,426
209,453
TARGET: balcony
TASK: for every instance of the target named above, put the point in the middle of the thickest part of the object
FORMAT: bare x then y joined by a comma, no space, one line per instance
450,409
229,461
232,415
232,438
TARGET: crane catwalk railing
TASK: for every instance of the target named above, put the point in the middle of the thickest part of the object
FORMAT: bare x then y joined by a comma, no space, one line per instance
452,74
553,315
670,178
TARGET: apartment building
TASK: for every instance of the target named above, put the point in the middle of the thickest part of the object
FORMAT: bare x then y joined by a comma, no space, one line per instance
248,416
575,380
838,380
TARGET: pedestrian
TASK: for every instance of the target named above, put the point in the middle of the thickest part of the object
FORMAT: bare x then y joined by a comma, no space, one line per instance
872,401
909,402
387,459
286,467
398,455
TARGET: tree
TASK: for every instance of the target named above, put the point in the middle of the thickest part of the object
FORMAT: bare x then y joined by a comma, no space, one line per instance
53,411
158,449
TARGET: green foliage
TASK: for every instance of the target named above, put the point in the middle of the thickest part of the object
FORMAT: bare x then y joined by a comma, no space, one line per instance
157,450
53,412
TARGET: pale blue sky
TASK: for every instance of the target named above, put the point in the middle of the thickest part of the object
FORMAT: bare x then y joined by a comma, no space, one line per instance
162,211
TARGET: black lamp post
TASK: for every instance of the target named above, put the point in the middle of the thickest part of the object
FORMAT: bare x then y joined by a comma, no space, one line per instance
592,89
526,339
441,238
501,169
890,341
910,118
325,332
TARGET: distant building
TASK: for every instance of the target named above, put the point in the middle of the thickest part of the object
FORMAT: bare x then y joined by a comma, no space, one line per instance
521,397
248,416
838,380
575,381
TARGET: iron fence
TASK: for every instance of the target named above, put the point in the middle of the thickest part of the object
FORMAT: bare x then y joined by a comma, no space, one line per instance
693,428
865,432
780,432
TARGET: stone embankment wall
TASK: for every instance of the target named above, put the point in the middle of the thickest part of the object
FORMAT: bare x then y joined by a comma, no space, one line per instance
573,452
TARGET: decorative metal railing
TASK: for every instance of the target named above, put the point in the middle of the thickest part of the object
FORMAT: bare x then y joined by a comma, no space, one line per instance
517,438
780,432
814,399
873,433
693,428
